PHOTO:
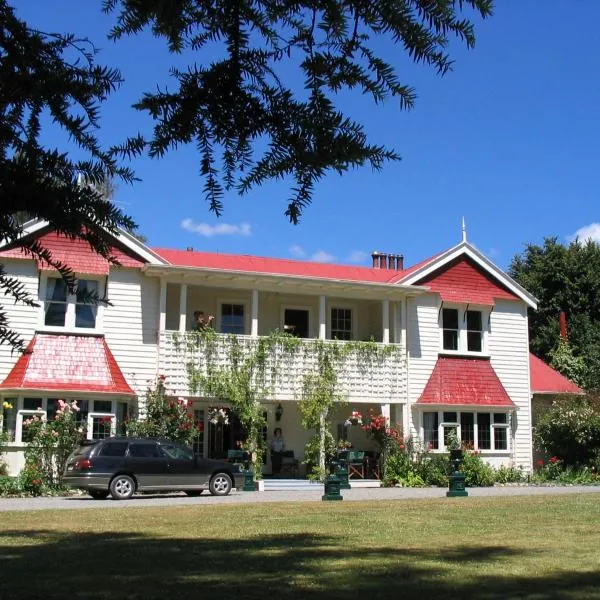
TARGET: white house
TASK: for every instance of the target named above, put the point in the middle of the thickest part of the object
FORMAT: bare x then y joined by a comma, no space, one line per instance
450,347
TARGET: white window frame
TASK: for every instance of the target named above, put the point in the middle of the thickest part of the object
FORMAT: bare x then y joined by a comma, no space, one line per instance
442,424
98,415
242,302
19,424
342,306
69,326
308,309
462,329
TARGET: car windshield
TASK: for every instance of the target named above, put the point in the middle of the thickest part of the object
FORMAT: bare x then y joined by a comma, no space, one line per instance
180,452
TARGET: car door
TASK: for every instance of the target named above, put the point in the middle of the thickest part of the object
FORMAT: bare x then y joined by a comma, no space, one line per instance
182,466
148,464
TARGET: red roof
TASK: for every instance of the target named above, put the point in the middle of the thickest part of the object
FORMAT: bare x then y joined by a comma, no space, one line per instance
68,363
464,381
277,266
464,281
545,380
75,253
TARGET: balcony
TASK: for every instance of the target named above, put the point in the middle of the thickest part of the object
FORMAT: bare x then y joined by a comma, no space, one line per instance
366,372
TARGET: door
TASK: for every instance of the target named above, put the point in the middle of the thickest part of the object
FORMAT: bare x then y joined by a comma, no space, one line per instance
182,467
148,464
296,321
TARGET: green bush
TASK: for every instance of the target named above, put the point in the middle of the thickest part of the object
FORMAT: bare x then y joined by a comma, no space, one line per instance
399,466
509,475
476,471
433,469
10,486
570,430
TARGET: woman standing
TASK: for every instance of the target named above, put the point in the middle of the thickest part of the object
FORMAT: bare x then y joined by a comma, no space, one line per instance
277,450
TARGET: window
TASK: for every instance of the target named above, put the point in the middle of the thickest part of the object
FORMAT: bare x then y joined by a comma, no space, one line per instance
450,327
430,427
85,309
474,331
481,430
55,307
114,449
177,452
144,450
341,323
462,330
232,318
9,417
77,310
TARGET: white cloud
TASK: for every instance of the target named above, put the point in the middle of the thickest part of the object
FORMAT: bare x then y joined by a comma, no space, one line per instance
357,256
591,231
322,256
297,251
206,230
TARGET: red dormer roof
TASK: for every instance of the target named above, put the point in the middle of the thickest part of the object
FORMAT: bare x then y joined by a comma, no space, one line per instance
546,380
458,381
276,266
67,363
75,253
463,281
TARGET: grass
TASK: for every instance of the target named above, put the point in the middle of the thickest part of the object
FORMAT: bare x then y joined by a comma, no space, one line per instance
536,548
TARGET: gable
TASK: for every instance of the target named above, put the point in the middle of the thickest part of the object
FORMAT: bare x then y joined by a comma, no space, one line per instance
77,254
464,281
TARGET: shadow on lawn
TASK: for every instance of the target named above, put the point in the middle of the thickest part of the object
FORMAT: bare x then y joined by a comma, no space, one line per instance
296,566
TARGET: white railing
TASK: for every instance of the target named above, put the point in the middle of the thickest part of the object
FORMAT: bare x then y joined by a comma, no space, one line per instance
373,373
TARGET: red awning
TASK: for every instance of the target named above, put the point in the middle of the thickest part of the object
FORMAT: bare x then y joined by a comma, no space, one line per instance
545,380
465,382
67,363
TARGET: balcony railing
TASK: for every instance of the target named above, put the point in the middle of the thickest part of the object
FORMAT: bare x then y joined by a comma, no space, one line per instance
365,372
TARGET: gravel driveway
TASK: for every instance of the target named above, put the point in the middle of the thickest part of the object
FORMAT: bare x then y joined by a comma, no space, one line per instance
373,494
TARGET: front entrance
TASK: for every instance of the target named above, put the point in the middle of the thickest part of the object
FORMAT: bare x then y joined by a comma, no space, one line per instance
296,321
224,435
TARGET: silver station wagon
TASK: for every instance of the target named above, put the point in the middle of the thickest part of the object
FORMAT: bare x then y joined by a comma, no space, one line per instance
121,466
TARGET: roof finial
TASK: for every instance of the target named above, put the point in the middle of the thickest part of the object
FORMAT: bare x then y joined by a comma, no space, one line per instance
464,230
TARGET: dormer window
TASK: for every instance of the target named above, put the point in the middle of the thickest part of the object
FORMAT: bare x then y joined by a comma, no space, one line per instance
450,326
462,330
70,311
474,331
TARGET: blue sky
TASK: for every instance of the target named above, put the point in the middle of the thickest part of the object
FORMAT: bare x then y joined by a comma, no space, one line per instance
508,139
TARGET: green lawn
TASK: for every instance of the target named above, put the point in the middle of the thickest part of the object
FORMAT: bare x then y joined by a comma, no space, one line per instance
482,548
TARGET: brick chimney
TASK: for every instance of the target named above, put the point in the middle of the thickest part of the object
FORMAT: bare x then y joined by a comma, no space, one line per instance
383,260
562,320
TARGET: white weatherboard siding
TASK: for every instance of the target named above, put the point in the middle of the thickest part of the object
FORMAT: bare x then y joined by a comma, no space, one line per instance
423,342
23,319
131,323
508,345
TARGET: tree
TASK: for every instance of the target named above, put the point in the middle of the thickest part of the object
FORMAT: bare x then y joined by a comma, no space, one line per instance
564,278
233,106
50,75
248,124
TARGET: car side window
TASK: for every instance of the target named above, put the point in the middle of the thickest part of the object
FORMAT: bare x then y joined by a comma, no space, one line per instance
144,450
177,452
113,449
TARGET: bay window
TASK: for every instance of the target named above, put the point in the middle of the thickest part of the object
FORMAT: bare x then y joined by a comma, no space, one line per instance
487,431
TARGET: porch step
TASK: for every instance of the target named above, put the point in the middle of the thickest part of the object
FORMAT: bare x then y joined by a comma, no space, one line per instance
281,485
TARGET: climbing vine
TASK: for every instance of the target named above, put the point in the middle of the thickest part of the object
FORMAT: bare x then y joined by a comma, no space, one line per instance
243,372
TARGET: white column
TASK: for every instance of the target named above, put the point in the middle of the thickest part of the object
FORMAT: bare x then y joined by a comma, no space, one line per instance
254,314
396,321
182,308
385,411
322,318
162,306
385,309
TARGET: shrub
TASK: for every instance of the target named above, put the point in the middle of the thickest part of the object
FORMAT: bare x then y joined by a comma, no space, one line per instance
10,486
509,475
167,418
49,447
570,430
476,471
433,469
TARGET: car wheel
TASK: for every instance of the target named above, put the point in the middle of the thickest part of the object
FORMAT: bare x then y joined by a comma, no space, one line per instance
220,484
193,493
122,487
98,494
